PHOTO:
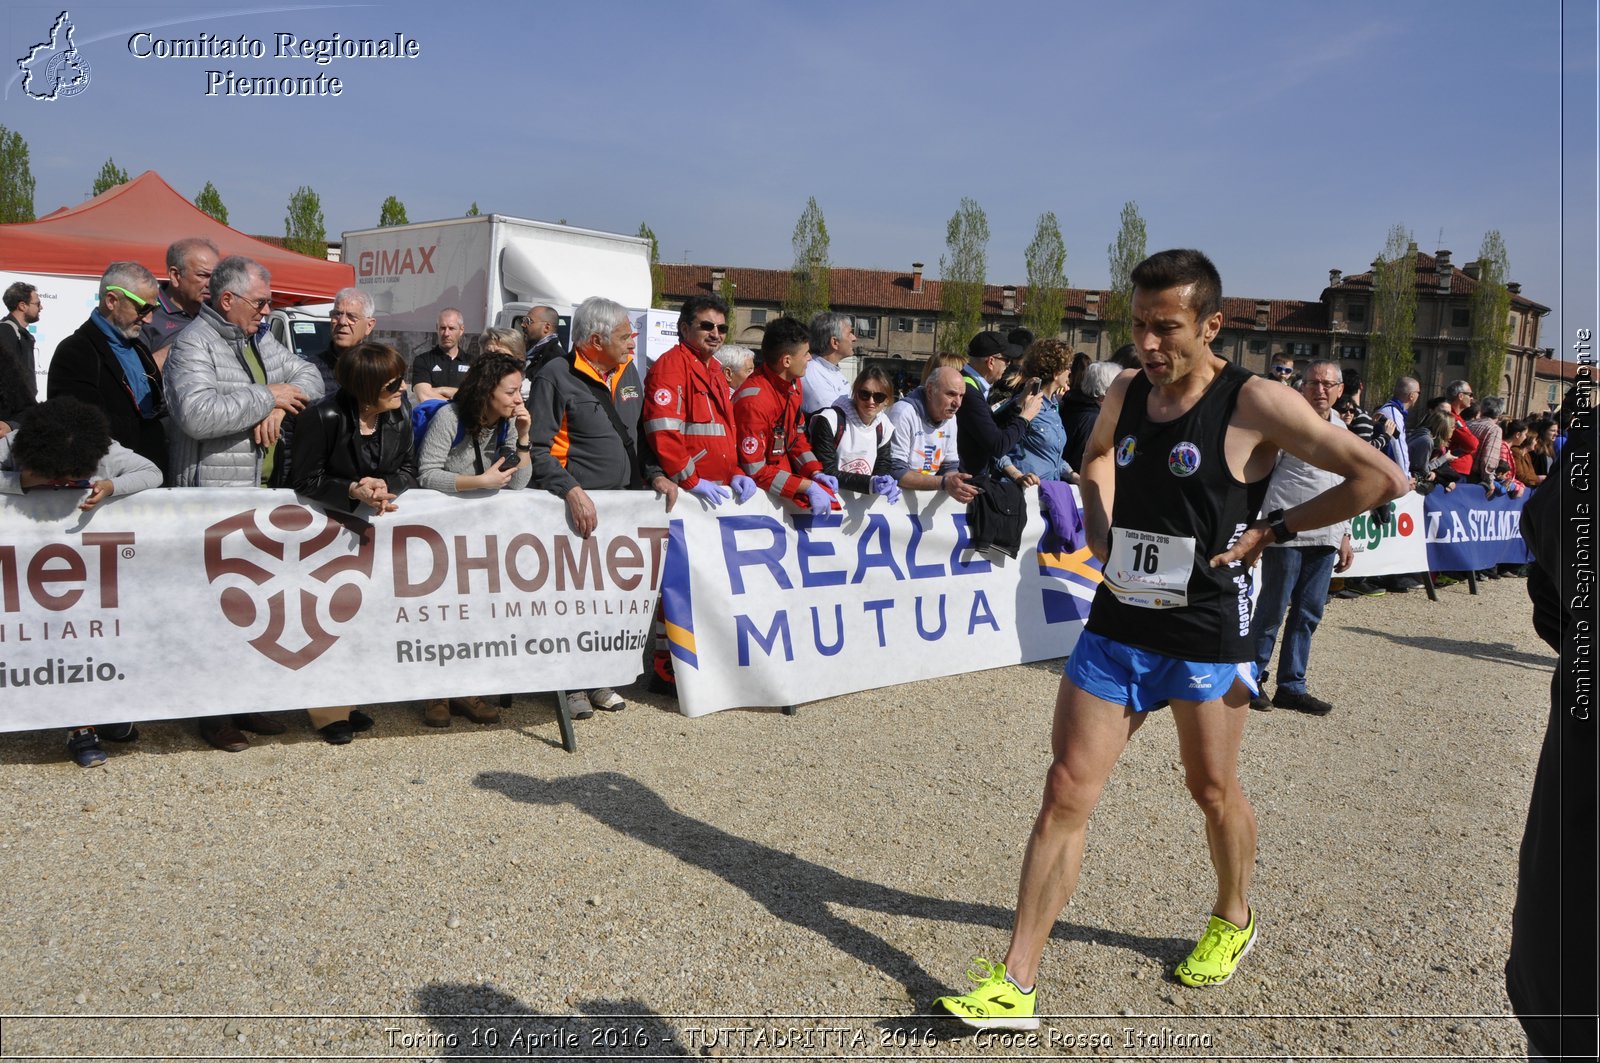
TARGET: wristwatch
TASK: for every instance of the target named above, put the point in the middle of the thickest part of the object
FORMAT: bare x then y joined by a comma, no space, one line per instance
1280,530
523,448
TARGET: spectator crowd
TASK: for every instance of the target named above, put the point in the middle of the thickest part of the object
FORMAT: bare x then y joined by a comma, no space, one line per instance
177,382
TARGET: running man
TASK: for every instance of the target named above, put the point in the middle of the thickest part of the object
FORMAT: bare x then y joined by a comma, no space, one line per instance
1173,478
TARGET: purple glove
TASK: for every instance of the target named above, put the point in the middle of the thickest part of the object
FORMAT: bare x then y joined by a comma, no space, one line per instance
709,491
830,482
744,488
818,498
885,486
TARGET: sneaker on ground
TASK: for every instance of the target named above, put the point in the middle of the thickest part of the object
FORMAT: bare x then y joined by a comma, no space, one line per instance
1301,702
1368,589
607,699
996,1003
578,705
1218,953
1260,703
84,747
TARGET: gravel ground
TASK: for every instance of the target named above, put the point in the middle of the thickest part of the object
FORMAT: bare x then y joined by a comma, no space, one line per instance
751,884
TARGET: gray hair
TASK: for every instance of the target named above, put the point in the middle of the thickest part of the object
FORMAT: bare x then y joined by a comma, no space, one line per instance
359,296
736,357
129,275
825,328
1456,387
1406,385
1492,407
596,316
1097,378
234,274
179,251
509,338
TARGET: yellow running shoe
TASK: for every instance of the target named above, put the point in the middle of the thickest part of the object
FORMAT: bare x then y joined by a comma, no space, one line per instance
1217,956
996,1004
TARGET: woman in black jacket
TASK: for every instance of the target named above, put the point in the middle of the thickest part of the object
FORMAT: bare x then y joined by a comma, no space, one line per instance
354,447
353,450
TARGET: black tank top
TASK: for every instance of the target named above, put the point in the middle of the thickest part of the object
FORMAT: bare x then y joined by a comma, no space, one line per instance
1177,505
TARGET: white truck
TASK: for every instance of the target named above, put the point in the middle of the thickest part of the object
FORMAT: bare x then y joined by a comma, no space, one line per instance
493,268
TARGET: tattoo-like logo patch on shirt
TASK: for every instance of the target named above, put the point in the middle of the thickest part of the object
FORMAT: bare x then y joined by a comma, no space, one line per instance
1184,459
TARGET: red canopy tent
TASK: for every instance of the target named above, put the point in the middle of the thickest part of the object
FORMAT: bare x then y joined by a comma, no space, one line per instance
135,222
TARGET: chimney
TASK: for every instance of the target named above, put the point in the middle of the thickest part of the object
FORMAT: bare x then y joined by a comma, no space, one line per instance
1334,277
1411,248
1262,310
717,273
1008,299
1471,270
1514,287
1442,264
916,276
1091,306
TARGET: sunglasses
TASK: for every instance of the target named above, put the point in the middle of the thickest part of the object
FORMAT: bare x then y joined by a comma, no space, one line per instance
876,397
1283,370
259,304
393,387
145,308
708,326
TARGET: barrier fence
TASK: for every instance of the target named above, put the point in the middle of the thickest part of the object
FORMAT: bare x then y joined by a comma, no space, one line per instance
177,603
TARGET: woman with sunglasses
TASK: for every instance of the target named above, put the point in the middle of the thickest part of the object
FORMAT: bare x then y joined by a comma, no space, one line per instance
851,437
352,453
477,441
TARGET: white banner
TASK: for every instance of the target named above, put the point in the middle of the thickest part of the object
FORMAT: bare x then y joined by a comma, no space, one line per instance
771,609
1391,547
191,602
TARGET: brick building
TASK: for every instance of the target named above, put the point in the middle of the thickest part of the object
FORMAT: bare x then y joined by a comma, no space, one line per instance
896,319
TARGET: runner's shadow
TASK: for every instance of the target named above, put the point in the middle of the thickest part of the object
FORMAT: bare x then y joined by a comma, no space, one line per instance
795,890
476,1021
1496,652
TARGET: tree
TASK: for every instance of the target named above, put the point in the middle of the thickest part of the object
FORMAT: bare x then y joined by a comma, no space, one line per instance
658,279
1047,279
725,292
1491,317
1126,252
1394,315
473,211
111,175
809,293
303,228
393,212
16,178
961,276
210,201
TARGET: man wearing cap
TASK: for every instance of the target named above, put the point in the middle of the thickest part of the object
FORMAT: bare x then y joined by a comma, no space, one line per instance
979,439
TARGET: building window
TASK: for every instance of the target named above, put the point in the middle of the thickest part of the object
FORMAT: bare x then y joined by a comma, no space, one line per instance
1456,357
1460,317
1356,313
1258,346
925,325
1089,335
758,316
866,328
1352,350
1304,350
1550,394
902,324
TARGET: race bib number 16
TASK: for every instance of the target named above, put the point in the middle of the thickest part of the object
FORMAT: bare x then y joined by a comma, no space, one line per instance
1148,570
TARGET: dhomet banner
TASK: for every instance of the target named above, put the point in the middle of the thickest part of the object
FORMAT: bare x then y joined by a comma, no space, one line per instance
764,607
174,603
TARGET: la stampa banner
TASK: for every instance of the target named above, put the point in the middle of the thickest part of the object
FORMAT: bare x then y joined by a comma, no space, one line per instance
765,607
176,603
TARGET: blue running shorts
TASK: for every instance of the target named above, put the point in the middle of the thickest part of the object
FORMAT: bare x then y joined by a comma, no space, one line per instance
1141,679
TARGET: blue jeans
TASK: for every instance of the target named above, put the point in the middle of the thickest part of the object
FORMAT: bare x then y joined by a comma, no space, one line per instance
1293,578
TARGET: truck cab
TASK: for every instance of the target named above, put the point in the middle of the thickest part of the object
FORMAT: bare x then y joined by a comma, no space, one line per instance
305,330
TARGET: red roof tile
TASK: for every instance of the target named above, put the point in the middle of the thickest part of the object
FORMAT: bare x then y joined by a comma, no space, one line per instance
1428,281
1558,369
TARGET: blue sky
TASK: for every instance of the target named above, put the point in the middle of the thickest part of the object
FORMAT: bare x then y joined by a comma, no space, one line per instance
1283,139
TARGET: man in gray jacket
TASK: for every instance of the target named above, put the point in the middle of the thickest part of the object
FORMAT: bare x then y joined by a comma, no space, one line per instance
228,390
